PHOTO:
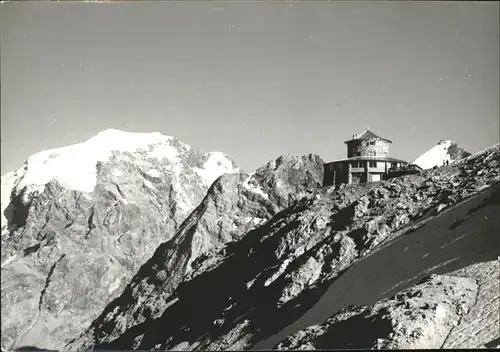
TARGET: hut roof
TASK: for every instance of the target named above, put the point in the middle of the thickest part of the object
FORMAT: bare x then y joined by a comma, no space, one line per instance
367,135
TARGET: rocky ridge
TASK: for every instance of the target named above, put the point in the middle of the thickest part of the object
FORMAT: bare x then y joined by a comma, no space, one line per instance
234,205
253,288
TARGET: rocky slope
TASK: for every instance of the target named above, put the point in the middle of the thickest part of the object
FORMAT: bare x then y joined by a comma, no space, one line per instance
350,245
444,151
456,310
234,205
78,221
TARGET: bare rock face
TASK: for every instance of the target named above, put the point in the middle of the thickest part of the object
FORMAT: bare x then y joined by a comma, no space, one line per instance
234,205
296,270
69,246
479,327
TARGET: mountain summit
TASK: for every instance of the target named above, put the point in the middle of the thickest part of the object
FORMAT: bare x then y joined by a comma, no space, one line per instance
78,221
445,150
75,167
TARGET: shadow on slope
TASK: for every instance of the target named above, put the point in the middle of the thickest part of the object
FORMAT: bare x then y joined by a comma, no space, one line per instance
197,303
436,248
17,211
357,332
493,343
233,206
208,306
32,348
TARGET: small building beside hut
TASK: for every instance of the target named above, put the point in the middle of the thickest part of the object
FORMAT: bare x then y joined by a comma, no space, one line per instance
367,160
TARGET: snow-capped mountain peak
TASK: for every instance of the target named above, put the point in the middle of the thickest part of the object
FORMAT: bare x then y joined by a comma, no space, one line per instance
74,166
443,151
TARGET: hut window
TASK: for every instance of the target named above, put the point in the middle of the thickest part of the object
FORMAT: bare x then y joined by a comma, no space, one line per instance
373,164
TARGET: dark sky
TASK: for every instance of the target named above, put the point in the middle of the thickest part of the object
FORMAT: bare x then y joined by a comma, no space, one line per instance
252,79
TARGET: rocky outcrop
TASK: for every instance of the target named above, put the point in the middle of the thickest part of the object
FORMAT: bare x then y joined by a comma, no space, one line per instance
234,205
82,219
457,310
479,327
355,244
420,317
